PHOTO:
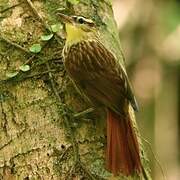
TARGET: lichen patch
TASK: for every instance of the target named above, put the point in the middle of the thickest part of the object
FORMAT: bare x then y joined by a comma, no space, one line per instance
14,21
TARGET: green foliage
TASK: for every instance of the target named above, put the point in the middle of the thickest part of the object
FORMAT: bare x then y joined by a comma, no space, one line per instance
74,2
11,74
24,68
170,16
35,48
56,27
46,37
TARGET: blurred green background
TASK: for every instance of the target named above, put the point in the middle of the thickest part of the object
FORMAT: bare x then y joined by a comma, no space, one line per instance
150,38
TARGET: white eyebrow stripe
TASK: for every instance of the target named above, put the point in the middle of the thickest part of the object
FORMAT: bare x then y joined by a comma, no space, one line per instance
85,19
89,21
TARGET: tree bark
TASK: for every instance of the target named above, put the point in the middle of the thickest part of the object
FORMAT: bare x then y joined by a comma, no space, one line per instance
47,130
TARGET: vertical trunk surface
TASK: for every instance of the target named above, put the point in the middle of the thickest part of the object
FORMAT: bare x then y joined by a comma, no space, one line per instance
43,132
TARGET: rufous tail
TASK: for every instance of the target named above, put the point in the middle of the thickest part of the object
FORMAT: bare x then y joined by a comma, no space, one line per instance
122,154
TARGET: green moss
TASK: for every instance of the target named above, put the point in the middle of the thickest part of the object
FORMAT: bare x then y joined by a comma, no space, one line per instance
4,4
97,168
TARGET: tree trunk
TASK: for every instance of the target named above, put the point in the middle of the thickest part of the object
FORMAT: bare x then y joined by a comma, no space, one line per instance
47,130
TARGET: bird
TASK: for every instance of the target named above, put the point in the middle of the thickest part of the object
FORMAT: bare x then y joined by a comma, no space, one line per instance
102,79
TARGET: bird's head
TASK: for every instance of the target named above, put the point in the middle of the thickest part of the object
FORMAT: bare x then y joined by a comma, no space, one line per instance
78,28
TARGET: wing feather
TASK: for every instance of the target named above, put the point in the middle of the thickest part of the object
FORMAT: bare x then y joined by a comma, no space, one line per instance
100,75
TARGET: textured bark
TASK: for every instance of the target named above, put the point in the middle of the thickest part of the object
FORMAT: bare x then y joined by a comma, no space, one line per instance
41,134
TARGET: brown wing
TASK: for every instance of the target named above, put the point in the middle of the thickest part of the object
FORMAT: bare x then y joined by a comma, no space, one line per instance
95,70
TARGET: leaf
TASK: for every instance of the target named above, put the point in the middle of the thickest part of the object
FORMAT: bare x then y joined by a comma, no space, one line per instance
74,2
35,48
46,37
60,9
24,68
56,27
12,74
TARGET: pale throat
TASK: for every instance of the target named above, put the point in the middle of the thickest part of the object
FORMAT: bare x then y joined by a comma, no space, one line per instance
75,34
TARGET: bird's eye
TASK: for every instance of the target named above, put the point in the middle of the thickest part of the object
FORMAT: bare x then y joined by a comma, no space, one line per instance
81,20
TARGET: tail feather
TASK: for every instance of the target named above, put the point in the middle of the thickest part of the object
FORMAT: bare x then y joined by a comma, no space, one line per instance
122,146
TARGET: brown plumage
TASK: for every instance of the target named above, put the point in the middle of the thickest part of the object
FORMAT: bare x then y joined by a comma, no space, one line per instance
96,72
122,154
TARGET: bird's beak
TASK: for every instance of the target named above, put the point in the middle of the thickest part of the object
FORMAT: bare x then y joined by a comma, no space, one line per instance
64,18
